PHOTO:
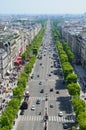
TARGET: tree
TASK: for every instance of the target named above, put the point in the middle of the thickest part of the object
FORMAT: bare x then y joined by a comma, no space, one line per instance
79,105
4,121
18,92
63,58
24,75
82,120
67,69
74,128
71,78
74,89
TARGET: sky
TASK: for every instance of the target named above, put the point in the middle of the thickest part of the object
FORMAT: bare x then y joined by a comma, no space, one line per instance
42,6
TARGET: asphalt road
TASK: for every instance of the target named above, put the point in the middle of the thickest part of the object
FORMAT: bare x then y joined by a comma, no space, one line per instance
50,75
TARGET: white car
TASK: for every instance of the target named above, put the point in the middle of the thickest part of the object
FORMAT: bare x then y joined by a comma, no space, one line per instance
60,114
33,107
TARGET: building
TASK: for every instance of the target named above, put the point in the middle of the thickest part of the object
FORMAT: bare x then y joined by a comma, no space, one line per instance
74,34
13,42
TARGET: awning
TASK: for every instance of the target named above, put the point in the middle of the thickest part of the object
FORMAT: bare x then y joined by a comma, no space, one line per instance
17,61
19,58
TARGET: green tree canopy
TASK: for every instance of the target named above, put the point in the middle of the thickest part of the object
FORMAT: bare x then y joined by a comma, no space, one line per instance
74,89
71,78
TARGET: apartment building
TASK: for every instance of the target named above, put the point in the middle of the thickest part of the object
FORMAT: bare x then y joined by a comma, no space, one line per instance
13,43
75,34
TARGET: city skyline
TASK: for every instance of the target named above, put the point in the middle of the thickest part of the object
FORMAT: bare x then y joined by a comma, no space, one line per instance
42,7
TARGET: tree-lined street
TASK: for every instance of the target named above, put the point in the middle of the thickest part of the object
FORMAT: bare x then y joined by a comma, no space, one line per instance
47,76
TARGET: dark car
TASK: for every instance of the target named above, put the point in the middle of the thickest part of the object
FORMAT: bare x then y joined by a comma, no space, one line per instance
40,63
51,106
38,101
57,92
65,126
85,98
49,75
42,91
32,76
51,89
40,83
38,75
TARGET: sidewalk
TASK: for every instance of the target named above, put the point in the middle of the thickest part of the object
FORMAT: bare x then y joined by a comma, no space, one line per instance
81,72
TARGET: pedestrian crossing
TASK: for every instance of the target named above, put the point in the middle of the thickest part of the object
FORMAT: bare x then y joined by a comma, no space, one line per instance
43,98
50,118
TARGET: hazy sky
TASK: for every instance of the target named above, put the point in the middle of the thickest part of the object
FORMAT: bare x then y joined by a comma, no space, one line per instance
42,6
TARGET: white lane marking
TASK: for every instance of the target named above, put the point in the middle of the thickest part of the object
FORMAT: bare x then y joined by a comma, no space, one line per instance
51,118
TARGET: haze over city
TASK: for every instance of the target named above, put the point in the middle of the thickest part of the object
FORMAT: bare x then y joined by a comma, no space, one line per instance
42,6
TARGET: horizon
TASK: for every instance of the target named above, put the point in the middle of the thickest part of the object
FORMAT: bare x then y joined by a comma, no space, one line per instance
45,7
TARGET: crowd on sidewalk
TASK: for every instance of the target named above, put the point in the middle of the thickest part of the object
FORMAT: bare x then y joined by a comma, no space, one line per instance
6,86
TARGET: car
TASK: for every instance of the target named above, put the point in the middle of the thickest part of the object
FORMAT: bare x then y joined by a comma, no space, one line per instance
85,98
51,89
22,112
40,83
65,126
38,75
60,114
51,106
32,76
40,63
42,91
49,75
57,92
38,101
33,107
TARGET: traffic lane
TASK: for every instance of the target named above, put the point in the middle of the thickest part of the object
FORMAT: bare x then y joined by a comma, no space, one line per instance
36,125
23,119
64,98
65,105
24,125
35,87
50,84
40,69
53,111
32,125
54,125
